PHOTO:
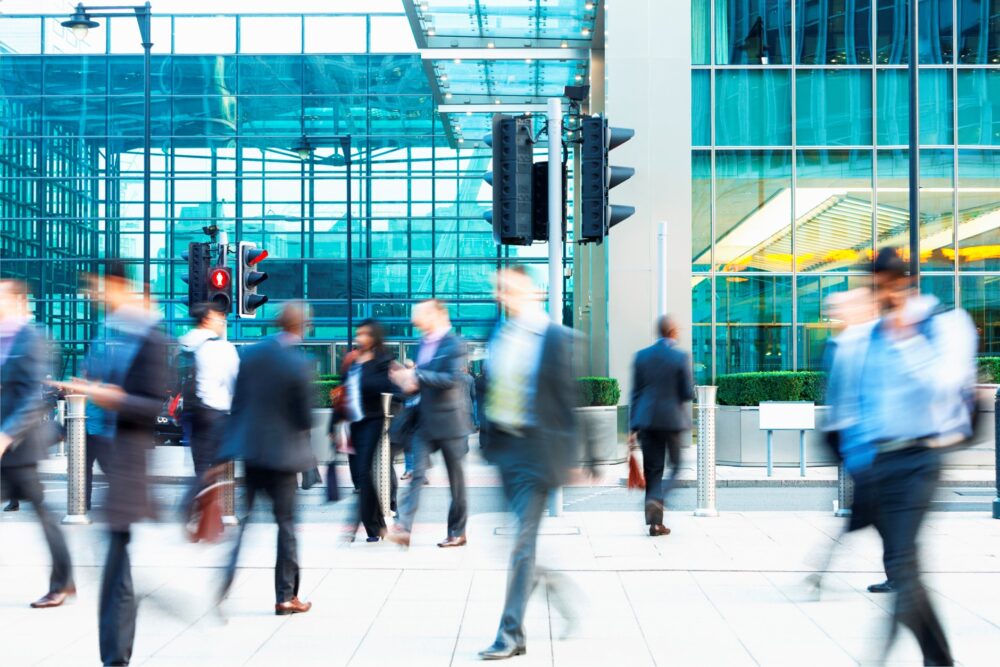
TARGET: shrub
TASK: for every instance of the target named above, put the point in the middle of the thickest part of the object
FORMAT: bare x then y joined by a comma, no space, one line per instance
597,391
752,388
989,370
323,387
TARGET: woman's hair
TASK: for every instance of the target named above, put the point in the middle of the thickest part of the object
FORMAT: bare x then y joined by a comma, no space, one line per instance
377,333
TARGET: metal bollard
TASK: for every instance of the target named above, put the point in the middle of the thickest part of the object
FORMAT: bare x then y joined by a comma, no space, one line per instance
229,496
706,451
996,442
61,420
383,461
845,492
76,463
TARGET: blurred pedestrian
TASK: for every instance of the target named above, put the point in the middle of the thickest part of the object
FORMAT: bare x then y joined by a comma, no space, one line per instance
405,425
528,429
919,357
24,360
366,380
207,365
129,386
661,385
269,430
444,423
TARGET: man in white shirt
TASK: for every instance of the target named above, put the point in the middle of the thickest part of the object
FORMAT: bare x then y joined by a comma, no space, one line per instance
207,367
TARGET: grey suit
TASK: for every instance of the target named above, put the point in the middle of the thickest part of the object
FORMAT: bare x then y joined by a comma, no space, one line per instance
444,423
269,430
661,384
21,411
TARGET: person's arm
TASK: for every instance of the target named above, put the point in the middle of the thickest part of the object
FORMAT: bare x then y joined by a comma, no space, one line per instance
19,421
635,393
686,377
451,376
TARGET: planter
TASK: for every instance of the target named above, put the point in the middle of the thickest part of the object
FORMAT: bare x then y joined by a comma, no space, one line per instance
600,426
319,440
740,442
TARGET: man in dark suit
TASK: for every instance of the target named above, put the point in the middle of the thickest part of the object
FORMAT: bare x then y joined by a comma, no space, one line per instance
23,364
130,378
444,422
269,429
528,429
661,385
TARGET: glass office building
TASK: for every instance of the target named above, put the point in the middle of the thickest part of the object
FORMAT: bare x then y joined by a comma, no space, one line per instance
800,166
232,97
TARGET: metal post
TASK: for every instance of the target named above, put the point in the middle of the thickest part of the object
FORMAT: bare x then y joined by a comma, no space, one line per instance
845,492
661,269
383,461
345,143
556,199
914,202
76,464
996,448
802,453
706,451
147,146
770,453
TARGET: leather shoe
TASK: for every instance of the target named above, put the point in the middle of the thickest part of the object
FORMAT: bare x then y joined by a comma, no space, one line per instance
293,606
457,541
399,536
658,529
501,652
12,506
884,587
55,599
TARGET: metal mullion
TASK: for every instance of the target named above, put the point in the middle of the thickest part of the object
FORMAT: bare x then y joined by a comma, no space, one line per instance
956,266
712,191
794,167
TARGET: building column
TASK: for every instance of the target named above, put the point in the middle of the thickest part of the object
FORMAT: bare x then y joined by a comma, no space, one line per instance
648,88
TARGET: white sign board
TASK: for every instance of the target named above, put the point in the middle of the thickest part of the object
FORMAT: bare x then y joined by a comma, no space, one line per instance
787,416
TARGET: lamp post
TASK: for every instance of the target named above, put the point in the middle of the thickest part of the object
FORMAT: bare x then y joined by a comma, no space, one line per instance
80,23
914,146
304,149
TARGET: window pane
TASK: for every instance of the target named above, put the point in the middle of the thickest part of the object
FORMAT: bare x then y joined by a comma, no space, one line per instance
834,32
270,34
701,32
126,38
892,25
815,325
937,213
978,32
979,107
981,297
701,210
701,108
204,34
21,35
336,34
833,210
391,34
62,40
752,32
894,103
892,30
753,108
979,210
753,207
833,108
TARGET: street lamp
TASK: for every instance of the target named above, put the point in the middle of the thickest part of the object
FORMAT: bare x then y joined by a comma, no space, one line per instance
80,23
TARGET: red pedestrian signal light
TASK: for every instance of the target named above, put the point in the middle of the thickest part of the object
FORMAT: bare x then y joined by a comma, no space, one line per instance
220,287
220,278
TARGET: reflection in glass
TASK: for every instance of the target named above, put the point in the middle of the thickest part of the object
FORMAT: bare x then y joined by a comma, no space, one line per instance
979,210
701,32
753,108
979,107
981,298
701,210
833,107
892,36
701,108
750,348
893,106
937,213
753,205
979,32
834,32
833,210
752,32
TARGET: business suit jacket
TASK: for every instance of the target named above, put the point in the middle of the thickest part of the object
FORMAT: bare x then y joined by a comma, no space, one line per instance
145,382
271,418
661,384
21,403
551,447
444,410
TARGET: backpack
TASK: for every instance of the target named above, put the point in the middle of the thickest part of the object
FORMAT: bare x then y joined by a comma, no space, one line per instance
187,377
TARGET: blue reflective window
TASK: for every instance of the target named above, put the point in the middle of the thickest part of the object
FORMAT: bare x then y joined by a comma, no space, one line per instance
978,32
701,32
701,210
753,108
701,108
833,107
753,32
979,107
893,103
936,27
834,32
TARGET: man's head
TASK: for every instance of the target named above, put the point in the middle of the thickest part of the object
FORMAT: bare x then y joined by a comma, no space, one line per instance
666,327
294,318
111,285
210,316
514,290
430,316
13,298
892,282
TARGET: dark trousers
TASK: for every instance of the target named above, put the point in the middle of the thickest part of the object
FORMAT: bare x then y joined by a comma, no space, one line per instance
905,481
117,606
454,452
656,445
99,449
365,436
203,429
22,483
280,486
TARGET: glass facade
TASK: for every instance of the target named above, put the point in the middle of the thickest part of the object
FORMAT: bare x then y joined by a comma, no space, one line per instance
231,95
801,172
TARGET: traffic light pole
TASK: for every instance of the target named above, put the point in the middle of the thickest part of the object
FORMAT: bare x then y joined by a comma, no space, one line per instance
229,475
555,240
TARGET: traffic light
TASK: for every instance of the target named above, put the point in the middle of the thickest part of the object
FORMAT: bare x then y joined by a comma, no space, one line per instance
199,259
597,177
511,180
540,201
220,286
248,277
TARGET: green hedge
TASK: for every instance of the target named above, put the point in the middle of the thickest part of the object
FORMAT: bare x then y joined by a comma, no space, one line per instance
597,391
989,370
323,386
752,388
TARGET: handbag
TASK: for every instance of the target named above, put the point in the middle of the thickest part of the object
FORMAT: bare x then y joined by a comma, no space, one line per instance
205,524
332,486
636,480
